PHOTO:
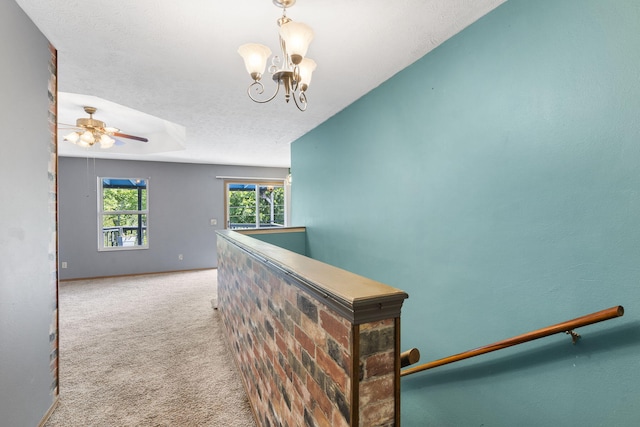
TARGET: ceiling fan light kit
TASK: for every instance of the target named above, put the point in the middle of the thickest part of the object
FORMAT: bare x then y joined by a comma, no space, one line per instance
292,70
92,131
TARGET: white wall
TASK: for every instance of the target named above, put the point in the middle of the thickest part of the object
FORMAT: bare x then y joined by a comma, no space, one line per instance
27,223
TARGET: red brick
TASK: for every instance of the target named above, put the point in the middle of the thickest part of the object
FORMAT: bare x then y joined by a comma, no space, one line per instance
318,395
381,413
306,342
292,345
331,368
277,324
274,284
339,330
386,323
301,389
321,418
297,409
380,388
280,343
379,364
280,372
257,353
339,421
268,353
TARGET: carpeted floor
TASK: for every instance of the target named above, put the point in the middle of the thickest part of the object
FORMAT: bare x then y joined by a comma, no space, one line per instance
146,351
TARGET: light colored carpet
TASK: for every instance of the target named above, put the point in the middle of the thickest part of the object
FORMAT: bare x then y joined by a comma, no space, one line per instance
146,351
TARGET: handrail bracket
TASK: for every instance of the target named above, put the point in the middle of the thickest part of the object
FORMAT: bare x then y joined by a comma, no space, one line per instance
574,336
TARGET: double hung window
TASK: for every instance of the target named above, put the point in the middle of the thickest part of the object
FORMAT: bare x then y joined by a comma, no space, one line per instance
123,213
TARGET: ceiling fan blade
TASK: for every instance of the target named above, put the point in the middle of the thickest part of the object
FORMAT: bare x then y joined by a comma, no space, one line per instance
124,135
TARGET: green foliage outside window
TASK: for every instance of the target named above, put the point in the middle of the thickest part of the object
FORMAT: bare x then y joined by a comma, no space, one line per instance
242,206
122,199
123,216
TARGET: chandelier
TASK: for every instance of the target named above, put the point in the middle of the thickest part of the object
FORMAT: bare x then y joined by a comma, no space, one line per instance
291,70
91,132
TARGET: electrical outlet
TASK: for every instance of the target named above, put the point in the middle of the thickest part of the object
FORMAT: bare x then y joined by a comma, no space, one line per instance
214,221
64,264
180,257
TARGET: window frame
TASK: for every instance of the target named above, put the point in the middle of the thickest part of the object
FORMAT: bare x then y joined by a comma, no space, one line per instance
275,182
102,213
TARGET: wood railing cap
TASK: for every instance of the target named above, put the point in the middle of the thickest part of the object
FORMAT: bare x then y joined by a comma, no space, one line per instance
360,299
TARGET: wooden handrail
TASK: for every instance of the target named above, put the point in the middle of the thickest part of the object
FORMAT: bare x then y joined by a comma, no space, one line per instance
566,327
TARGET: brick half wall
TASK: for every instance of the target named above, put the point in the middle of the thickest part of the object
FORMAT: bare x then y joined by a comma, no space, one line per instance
315,345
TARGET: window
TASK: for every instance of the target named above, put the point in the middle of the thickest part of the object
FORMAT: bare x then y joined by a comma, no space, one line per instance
254,204
123,211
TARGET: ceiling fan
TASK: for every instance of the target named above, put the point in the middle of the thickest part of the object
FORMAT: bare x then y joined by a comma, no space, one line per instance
90,131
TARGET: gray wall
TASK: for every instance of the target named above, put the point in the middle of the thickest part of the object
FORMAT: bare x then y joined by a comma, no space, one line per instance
183,198
27,223
497,181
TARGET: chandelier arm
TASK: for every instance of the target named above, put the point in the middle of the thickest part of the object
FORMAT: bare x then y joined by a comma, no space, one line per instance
296,79
259,87
275,64
302,106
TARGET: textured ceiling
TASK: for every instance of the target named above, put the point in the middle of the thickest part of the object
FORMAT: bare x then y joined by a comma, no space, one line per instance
178,61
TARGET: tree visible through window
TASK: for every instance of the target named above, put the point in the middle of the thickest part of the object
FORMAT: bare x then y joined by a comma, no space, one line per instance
255,205
123,213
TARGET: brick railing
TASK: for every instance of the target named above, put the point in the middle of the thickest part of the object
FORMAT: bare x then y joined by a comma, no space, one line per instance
315,345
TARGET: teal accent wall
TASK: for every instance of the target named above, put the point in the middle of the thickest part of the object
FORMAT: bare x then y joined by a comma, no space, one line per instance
497,181
292,241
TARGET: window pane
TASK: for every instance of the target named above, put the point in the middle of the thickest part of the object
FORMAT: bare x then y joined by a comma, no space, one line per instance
242,206
124,199
124,230
253,205
271,206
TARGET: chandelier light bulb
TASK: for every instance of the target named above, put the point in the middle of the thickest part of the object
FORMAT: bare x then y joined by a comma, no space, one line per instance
297,37
73,137
306,68
88,138
106,141
255,58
